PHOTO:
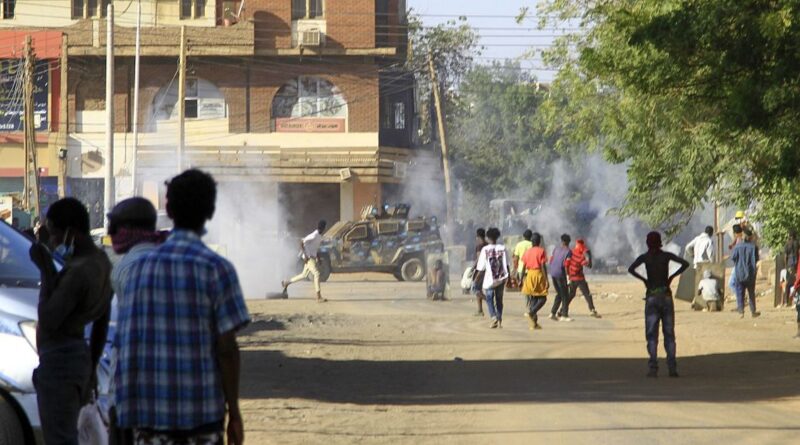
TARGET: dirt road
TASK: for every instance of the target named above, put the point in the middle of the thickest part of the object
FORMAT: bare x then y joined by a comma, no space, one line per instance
381,364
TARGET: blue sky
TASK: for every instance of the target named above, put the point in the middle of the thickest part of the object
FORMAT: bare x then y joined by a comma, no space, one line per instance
501,35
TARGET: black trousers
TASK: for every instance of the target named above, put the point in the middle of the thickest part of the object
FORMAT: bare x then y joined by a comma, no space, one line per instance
562,297
584,287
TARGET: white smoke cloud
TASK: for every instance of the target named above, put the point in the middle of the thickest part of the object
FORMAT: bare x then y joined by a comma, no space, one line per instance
249,226
613,240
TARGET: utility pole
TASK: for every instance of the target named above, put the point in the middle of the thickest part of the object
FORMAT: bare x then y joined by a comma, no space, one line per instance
31,180
181,99
443,141
136,69
108,191
63,124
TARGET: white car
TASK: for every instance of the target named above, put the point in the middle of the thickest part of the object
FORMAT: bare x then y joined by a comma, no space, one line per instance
19,297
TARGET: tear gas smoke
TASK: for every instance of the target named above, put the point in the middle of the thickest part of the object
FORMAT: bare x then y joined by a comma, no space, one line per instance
249,226
602,186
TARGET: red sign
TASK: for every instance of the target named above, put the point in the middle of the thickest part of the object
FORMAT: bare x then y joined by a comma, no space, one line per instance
302,125
46,44
18,172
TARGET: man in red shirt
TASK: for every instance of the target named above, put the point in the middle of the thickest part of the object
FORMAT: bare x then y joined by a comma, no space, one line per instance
535,284
581,257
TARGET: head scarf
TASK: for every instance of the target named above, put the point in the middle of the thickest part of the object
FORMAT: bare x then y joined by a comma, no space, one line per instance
707,274
126,237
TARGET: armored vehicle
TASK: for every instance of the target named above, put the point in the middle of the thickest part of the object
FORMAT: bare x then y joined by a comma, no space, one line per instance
384,240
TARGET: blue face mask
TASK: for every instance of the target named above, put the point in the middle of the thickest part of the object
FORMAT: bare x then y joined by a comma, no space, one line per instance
64,252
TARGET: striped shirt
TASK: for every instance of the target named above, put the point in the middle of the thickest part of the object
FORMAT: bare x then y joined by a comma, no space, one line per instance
179,299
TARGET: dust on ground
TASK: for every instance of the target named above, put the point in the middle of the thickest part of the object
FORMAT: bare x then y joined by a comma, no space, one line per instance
381,364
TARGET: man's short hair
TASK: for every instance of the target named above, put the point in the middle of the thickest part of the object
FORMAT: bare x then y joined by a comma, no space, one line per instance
69,213
191,198
737,228
536,239
493,234
527,235
709,230
481,233
566,239
321,225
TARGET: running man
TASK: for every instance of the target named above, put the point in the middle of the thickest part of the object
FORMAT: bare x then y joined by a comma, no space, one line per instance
493,262
581,257
516,278
659,307
310,251
559,274
533,266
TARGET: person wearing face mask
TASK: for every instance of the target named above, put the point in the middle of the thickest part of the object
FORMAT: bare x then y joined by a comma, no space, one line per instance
69,299
132,227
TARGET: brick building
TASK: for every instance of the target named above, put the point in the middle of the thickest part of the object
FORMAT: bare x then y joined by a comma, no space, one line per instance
306,98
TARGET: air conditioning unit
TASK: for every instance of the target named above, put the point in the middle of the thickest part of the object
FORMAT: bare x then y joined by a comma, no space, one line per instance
400,169
311,37
345,174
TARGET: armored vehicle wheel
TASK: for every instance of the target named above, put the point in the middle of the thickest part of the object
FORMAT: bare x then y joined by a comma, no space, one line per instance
397,275
413,269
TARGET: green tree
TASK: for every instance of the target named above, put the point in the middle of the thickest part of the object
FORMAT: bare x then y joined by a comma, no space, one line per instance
452,46
701,100
498,146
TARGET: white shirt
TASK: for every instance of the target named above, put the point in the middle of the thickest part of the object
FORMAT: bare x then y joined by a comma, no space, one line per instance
703,247
311,244
494,260
708,289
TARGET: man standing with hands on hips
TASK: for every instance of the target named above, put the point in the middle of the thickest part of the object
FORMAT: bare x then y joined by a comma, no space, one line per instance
659,307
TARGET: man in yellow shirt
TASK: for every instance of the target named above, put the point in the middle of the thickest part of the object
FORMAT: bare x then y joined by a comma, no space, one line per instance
519,251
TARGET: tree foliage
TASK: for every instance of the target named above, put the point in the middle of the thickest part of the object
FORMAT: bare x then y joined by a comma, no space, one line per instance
701,100
452,47
498,146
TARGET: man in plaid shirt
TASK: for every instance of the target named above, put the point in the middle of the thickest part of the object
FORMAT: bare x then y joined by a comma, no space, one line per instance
178,368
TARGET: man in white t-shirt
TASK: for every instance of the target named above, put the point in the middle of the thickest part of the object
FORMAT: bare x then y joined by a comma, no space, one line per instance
709,291
493,259
310,251
702,247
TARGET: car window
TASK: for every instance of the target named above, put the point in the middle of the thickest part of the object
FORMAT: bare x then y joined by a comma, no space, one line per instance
16,267
417,226
336,230
359,233
388,228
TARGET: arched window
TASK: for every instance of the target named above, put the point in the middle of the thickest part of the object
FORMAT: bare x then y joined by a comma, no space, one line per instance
203,101
309,104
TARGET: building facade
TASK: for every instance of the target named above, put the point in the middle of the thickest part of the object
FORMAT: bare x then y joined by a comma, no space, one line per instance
307,98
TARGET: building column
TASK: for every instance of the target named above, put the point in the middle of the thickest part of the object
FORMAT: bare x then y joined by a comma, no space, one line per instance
366,194
347,211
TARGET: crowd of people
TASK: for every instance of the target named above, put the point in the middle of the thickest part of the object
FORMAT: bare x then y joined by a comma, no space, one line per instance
528,266
527,270
179,306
